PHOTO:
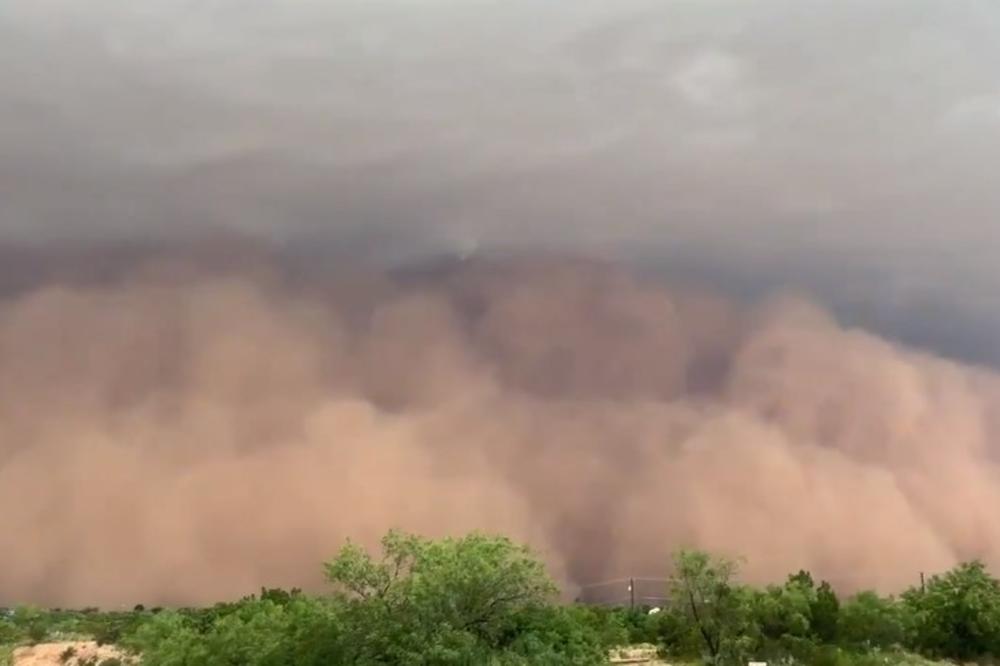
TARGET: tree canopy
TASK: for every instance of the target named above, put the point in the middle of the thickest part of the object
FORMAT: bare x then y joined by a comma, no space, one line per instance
483,599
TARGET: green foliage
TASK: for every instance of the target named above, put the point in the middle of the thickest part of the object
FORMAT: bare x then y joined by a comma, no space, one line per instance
870,621
639,624
565,635
958,614
784,611
9,632
702,591
110,628
474,600
825,613
452,596
794,620
483,600
33,622
169,639
673,632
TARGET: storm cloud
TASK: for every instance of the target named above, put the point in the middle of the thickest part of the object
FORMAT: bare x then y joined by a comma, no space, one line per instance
846,147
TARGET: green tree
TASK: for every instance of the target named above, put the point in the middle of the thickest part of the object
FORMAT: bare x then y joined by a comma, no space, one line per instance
33,621
467,601
570,635
957,615
471,585
257,633
825,612
702,589
869,621
807,610
673,631
784,610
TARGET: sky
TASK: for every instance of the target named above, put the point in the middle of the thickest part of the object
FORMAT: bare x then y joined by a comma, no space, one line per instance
778,193
847,148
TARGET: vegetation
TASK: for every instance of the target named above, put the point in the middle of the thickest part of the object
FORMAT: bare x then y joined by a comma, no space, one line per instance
485,600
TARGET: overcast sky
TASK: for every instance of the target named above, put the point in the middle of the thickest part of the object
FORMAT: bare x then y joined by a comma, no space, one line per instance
851,147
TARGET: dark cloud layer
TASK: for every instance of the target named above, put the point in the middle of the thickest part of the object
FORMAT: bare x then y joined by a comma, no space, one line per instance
847,147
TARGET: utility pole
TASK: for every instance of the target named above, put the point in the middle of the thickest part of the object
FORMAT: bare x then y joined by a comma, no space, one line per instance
631,593
923,588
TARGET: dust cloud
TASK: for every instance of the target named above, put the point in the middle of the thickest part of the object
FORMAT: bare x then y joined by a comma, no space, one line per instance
171,434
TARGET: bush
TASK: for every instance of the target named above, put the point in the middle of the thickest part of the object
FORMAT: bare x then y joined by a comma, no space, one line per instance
958,614
869,621
37,632
111,628
485,600
9,633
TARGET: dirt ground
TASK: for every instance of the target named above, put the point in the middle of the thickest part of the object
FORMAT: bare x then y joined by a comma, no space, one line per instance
636,655
88,652
49,654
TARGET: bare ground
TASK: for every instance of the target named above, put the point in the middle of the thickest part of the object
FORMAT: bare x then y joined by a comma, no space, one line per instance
52,654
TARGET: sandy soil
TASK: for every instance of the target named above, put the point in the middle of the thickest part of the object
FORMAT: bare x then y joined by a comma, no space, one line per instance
636,655
48,654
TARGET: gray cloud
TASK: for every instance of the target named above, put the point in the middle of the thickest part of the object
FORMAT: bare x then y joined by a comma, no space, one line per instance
756,136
